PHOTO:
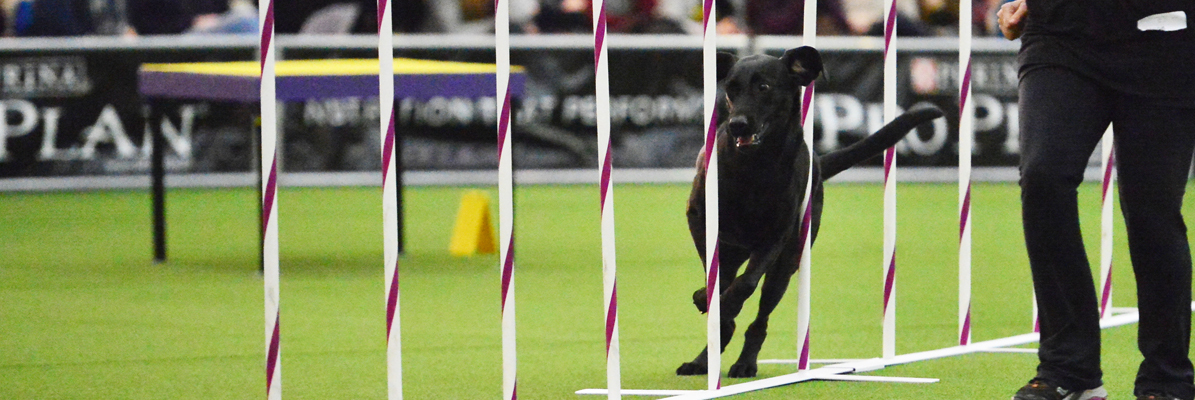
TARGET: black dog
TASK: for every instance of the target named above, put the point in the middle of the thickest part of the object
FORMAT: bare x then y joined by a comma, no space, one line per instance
763,167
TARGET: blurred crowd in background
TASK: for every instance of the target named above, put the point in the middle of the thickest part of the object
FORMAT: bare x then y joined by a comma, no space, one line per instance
30,18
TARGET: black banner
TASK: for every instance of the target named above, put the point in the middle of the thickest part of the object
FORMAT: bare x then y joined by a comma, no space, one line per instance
77,113
656,112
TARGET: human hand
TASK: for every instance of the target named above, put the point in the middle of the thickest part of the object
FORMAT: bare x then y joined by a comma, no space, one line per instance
205,22
727,26
1011,18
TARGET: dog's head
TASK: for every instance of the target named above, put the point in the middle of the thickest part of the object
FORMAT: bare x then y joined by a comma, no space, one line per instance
760,94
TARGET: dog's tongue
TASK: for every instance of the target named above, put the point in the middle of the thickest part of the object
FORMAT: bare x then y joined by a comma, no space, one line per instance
743,141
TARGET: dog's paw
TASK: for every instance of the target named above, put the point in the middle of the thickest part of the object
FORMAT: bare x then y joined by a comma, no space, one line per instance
689,369
700,301
742,370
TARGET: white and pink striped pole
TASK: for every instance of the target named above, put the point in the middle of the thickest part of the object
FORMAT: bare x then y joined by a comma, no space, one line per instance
1106,229
269,201
804,274
606,161
709,59
389,198
966,132
890,112
505,199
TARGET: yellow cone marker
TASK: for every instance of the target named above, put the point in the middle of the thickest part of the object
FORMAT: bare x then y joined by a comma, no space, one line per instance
474,232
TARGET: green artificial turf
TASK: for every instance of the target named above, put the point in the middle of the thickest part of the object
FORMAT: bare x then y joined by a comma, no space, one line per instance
85,314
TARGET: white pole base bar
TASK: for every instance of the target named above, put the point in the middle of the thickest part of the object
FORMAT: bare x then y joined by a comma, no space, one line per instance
640,392
838,372
814,361
1011,350
869,378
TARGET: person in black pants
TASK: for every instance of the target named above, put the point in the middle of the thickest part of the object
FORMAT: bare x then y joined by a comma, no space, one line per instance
1085,64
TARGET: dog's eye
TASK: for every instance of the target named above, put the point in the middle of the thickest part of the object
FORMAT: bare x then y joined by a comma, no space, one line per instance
763,87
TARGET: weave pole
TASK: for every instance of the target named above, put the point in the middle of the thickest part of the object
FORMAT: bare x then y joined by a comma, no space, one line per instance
605,161
1109,160
269,201
966,132
709,62
804,274
890,112
505,199
269,204
389,198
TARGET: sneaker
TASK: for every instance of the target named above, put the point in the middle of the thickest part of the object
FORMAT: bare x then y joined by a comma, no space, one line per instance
1038,389
1156,396
1094,394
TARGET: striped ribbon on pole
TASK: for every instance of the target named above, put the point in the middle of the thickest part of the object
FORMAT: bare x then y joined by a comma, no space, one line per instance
269,201
389,198
1106,230
966,124
890,112
505,199
709,58
804,274
605,161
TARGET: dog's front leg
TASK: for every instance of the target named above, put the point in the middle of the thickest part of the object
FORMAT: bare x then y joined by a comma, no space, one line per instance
730,259
700,364
774,286
743,286
732,303
695,211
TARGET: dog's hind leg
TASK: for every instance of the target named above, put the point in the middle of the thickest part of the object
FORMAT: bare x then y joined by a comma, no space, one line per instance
774,286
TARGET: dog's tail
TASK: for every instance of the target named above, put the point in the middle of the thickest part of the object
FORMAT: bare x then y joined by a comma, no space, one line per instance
838,161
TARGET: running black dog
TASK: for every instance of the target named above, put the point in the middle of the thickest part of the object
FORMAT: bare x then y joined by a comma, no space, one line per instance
763,168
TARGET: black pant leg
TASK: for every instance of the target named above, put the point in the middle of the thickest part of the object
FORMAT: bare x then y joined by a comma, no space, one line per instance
1154,144
1063,116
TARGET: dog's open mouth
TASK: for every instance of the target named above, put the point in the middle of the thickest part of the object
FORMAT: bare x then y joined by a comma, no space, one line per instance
746,140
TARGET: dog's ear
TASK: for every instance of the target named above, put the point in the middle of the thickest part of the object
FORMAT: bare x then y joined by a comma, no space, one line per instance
805,62
725,62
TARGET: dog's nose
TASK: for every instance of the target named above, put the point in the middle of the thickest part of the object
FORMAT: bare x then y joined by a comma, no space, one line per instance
738,125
